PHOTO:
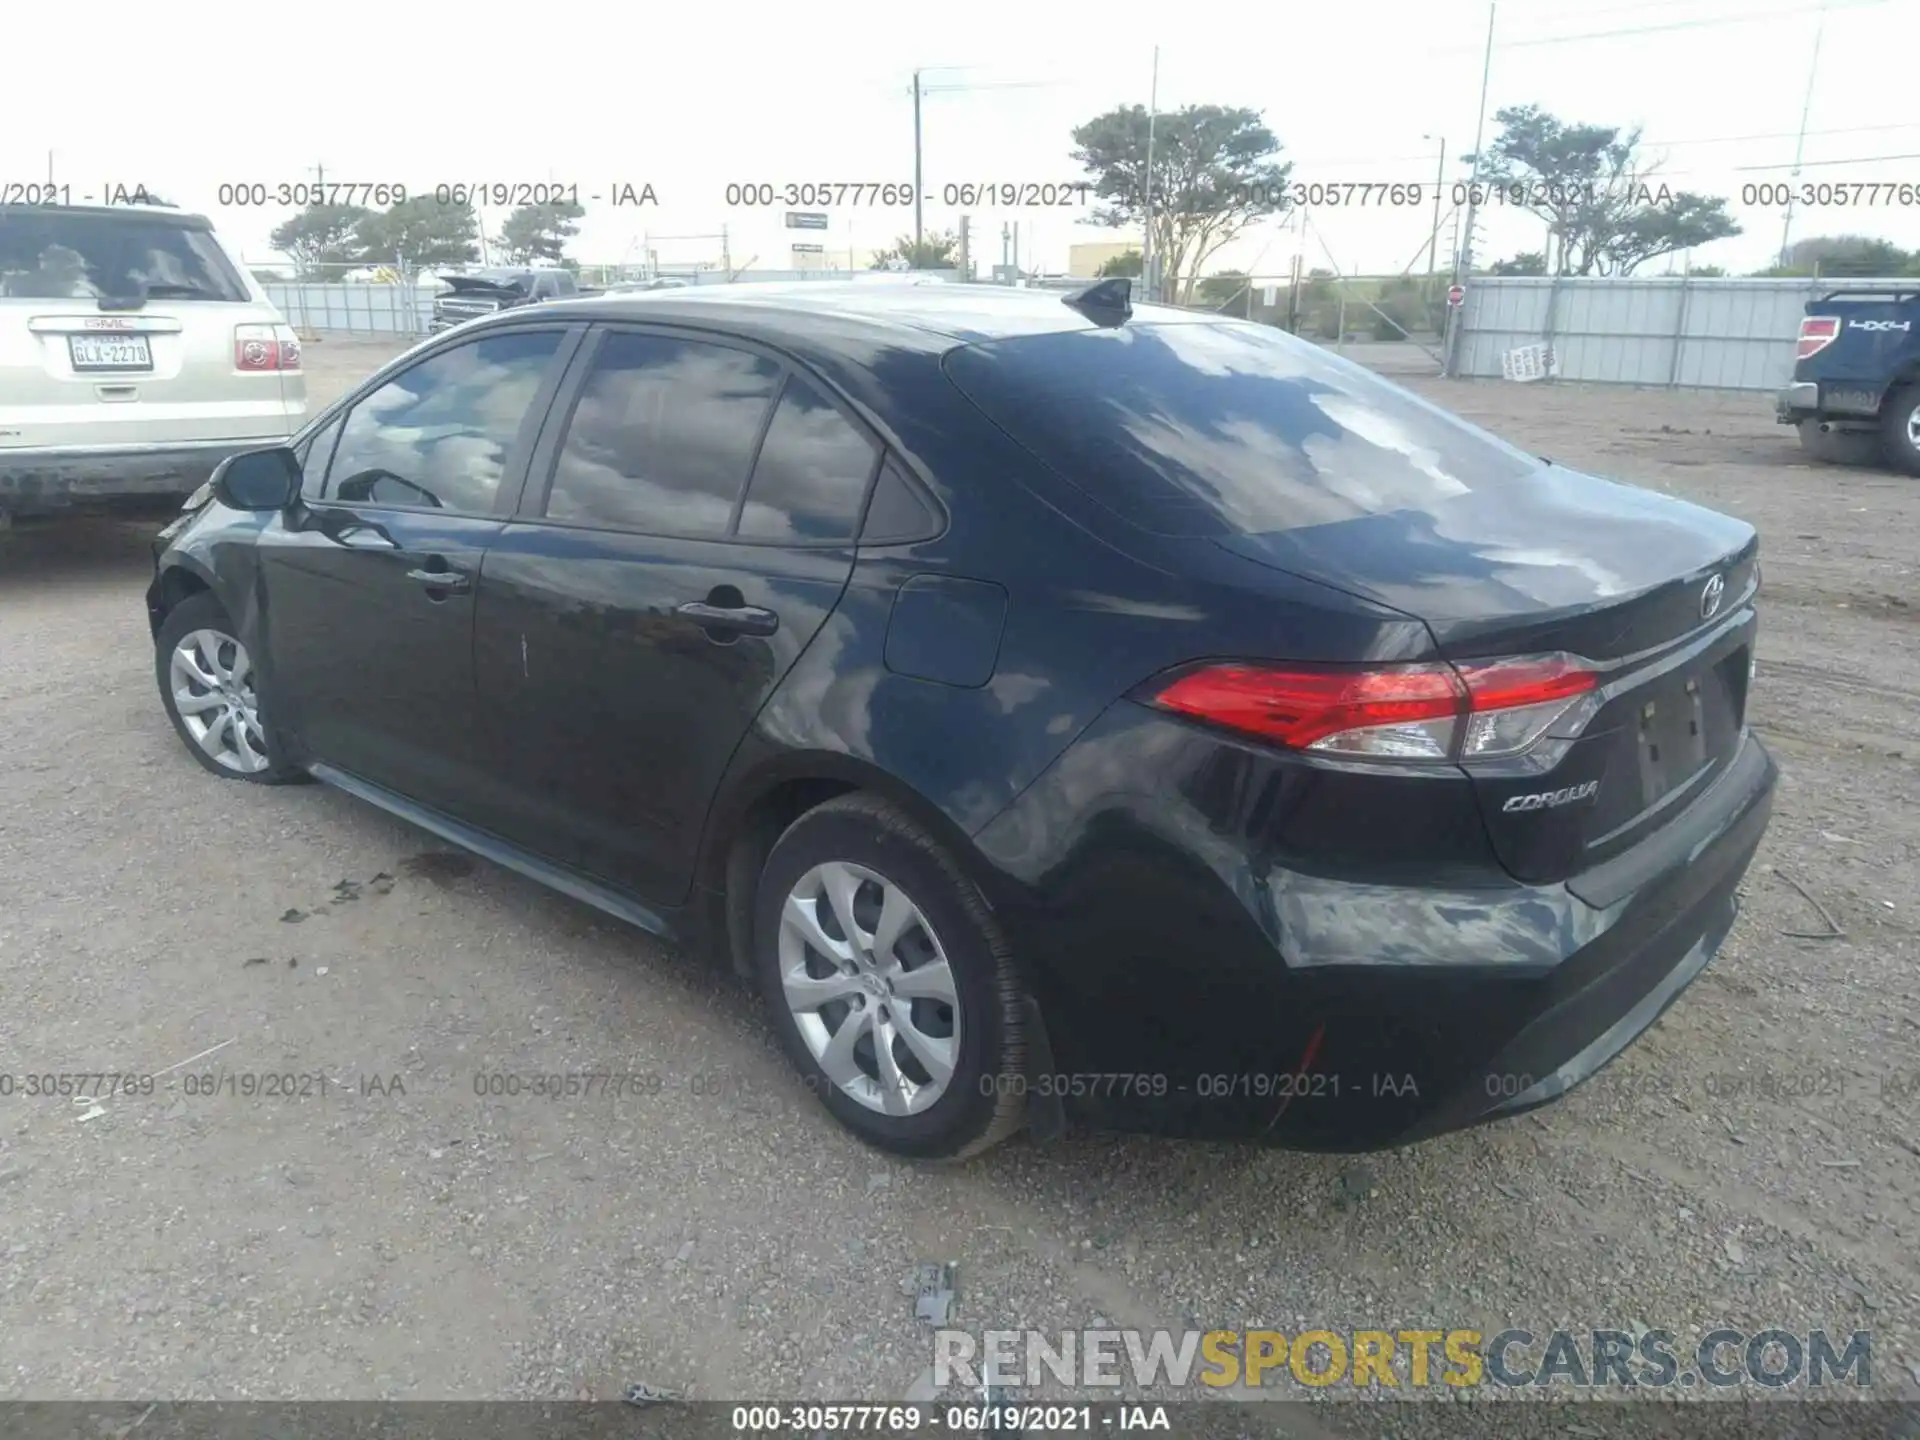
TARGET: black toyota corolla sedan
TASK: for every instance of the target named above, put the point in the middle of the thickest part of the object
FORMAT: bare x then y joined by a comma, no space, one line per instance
1060,709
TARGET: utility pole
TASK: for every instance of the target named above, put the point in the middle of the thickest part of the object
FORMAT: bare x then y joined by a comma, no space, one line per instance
1433,239
1146,248
916,164
966,259
726,254
1016,252
1800,145
1463,257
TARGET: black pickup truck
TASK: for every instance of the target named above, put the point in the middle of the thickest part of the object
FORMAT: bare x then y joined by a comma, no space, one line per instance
1856,378
482,292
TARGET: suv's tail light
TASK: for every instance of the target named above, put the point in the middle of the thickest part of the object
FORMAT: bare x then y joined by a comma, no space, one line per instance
263,348
1479,711
1816,333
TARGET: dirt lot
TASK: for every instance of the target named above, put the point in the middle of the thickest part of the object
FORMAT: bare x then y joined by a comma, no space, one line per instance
1754,1162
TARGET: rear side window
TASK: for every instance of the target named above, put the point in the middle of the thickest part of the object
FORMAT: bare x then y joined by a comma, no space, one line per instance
812,472
662,436
1227,428
48,254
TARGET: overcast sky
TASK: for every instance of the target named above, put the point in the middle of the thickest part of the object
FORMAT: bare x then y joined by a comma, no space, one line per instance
690,98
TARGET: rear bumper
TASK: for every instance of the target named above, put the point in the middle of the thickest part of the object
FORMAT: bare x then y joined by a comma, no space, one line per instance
1796,402
1313,1011
1849,405
42,481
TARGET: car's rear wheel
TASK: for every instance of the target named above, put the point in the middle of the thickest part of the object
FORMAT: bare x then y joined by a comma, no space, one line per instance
1900,429
211,692
1837,447
890,982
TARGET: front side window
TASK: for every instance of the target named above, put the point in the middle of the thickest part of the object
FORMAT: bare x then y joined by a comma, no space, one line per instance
662,437
438,435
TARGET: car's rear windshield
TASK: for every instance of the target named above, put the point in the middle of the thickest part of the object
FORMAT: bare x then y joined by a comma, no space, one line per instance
1226,428
48,254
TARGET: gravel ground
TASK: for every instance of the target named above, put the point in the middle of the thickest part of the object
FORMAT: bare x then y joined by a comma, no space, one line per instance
388,1233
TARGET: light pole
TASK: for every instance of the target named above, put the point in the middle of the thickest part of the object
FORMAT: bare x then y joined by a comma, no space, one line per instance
916,166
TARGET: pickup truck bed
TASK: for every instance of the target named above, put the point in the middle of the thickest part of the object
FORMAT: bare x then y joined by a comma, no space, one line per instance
1856,377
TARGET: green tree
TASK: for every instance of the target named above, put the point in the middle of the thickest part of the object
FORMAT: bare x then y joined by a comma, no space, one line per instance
1224,290
420,231
1129,264
1605,209
540,232
1707,272
321,235
1214,173
1527,262
1845,257
939,251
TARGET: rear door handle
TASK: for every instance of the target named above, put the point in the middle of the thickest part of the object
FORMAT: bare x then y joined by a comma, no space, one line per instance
730,619
451,581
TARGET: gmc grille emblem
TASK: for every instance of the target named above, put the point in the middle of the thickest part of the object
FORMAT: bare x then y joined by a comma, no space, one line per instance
1710,597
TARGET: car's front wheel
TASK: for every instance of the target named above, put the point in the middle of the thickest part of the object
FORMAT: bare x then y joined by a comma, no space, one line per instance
211,692
1900,429
890,982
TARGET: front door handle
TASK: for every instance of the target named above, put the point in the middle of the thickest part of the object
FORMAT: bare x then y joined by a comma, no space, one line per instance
452,581
730,619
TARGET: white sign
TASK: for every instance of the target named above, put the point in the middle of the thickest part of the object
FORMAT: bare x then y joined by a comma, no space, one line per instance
1529,362
1270,296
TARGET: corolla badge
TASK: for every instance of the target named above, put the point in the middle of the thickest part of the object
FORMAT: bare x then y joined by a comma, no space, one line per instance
1711,596
1552,799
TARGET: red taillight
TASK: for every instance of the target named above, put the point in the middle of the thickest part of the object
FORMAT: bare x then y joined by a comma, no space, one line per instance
1816,333
261,349
1481,710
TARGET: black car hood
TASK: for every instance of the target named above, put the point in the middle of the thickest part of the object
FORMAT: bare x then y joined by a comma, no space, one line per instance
1526,555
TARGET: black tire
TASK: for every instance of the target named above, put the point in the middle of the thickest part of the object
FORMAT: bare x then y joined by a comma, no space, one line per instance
204,612
984,1101
1837,447
1900,429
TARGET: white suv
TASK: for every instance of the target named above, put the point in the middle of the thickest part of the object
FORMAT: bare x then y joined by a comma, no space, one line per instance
135,355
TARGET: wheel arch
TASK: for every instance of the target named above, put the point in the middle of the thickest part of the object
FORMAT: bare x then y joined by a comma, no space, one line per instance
179,580
756,809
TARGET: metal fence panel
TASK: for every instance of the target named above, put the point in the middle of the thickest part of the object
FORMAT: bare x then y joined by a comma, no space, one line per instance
353,308
1670,331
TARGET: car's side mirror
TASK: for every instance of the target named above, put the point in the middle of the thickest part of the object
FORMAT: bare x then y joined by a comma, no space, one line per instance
258,479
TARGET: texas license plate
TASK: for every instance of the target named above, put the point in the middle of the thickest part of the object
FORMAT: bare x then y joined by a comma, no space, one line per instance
110,352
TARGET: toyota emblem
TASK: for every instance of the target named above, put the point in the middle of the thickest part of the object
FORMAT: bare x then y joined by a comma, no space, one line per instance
1710,597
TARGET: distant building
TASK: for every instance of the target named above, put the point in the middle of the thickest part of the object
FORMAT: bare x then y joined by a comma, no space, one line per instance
1087,257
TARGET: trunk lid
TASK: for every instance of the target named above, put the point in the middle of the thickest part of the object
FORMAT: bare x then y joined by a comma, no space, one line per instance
1654,592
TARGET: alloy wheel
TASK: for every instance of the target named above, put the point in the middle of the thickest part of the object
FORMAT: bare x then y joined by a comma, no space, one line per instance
1913,428
211,677
869,987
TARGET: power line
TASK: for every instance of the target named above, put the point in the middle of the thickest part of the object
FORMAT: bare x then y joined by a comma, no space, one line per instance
1700,22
